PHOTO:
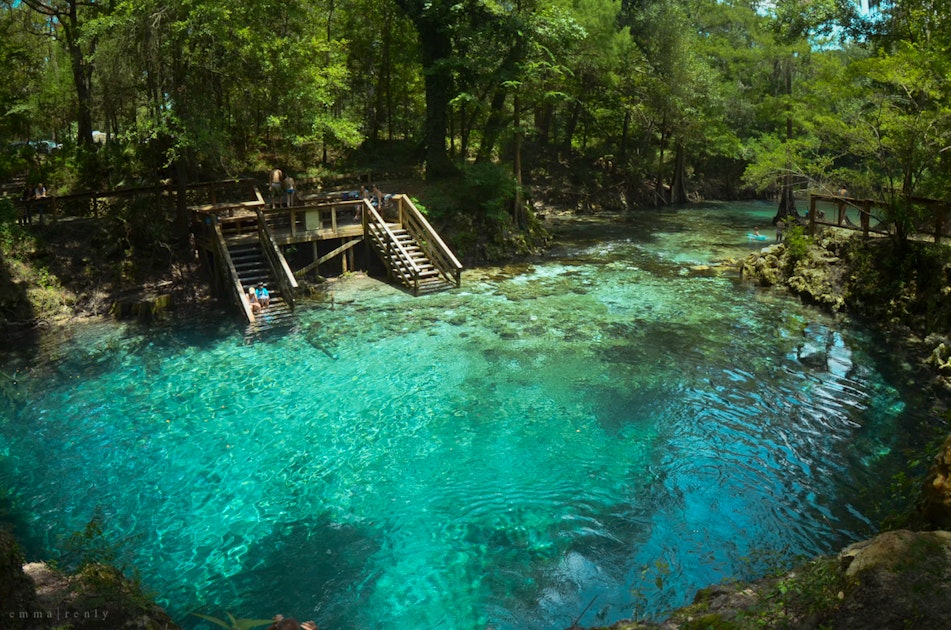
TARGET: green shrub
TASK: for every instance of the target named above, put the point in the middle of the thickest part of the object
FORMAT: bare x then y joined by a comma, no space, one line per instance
797,246
482,191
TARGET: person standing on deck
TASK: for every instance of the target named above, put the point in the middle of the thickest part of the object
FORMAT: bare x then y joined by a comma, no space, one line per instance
289,189
276,181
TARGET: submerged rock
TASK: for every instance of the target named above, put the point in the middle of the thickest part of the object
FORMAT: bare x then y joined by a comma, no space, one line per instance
146,309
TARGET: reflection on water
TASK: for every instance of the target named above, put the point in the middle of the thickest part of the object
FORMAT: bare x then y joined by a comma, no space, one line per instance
605,431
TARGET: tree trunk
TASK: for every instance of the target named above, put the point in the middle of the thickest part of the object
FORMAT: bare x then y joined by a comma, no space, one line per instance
386,73
543,115
464,130
622,150
659,193
436,48
82,76
493,126
520,219
787,202
572,125
678,184
181,201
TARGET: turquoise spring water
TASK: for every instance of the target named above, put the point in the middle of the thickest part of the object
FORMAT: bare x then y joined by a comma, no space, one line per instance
589,437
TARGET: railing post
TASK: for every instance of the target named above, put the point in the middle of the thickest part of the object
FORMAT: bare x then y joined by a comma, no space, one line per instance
812,214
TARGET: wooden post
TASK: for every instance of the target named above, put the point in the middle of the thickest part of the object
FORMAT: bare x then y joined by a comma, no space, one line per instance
866,213
812,215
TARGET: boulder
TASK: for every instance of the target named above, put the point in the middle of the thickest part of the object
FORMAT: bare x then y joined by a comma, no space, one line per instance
17,594
934,506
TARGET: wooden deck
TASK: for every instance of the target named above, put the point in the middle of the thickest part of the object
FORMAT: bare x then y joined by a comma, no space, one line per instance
334,224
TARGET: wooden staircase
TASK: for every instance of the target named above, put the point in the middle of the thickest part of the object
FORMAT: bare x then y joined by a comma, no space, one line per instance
412,252
251,266
247,254
405,261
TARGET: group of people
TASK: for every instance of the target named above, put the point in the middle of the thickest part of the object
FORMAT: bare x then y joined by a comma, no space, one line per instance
29,195
283,189
258,298
374,195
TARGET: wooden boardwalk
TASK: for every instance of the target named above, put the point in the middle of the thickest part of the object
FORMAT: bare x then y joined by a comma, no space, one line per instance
858,214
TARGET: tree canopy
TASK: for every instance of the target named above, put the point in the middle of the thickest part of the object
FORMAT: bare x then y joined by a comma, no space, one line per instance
673,97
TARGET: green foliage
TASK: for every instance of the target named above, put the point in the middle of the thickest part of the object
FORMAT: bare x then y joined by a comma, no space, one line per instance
88,547
671,91
797,245
905,284
812,591
482,191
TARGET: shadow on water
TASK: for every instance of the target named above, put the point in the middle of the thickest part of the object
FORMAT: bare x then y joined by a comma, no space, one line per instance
313,561
14,515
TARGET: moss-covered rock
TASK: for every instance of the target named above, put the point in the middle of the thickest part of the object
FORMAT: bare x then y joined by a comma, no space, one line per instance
145,308
17,592
897,579
98,596
934,507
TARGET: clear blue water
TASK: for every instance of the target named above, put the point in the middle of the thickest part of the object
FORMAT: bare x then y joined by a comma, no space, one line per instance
594,435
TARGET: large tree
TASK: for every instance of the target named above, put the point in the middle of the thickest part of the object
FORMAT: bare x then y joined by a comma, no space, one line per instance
435,21
69,21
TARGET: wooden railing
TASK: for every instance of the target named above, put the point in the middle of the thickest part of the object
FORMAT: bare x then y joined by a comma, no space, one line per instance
936,214
413,221
231,277
279,267
222,193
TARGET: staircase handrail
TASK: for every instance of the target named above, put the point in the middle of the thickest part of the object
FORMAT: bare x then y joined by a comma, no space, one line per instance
237,290
279,267
429,241
370,215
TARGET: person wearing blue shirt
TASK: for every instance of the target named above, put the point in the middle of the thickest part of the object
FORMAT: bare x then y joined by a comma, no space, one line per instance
263,296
